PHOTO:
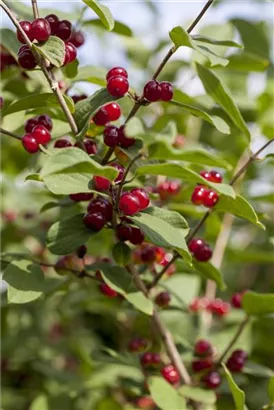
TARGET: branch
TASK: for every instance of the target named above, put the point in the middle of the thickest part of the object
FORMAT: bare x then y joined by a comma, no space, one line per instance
35,9
234,339
163,271
10,134
124,177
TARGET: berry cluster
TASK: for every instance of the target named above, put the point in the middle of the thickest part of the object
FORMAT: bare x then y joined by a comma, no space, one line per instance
200,250
168,189
216,306
205,196
134,201
129,233
99,212
37,132
155,91
204,352
117,81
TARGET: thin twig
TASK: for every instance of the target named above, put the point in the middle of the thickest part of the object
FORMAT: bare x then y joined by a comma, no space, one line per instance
199,17
107,156
35,9
234,339
10,134
163,271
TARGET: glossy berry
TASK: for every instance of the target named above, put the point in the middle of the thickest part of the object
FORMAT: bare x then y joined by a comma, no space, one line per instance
30,124
116,71
70,53
63,30
90,146
82,196
163,299
236,361
41,134
129,204
111,136
236,300
137,237
205,175
123,232
26,26
95,221
203,254
108,291
203,348
170,374
210,198
142,196
62,143
102,206
125,141
198,195
77,38
120,169
195,244
152,91
212,380
46,121
113,111
148,254
30,144
81,251
53,21
27,60
137,345
168,189
117,86
101,183
101,117
166,91
40,29
146,359
201,365
216,177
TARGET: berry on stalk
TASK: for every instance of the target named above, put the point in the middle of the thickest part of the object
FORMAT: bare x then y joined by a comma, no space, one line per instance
77,38
163,299
101,205
152,91
101,183
166,91
203,348
142,196
41,134
62,143
170,374
125,141
26,26
30,144
70,53
108,291
63,30
123,232
95,221
40,29
236,361
26,59
111,136
198,195
137,344
113,111
201,364
118,86
129,204
137,237
210,198
82,196
101,117
53,21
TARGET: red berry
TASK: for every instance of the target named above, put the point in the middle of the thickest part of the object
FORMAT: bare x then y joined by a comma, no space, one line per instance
195,244
101,117
45,120
30,124
148,254
210,198
117,86
155,359
90,146
113,111
163,299
219,307
166,91
212,380
146,359
102,206
236,300
137,237
77,98
81,251
198,195
27,60
77,38
82,196
101,183
199,304
117,71
120,169
203,348
70,53
26,26
237,360
216,177
152,91
108,291
111,136
30,144
53,21
41,134
124,232
95,221
137,344
170,373
142,196
62,143
201,364
174,187
205,175
63,30
240,353
40,29
203,254
125,141
145,403
129,204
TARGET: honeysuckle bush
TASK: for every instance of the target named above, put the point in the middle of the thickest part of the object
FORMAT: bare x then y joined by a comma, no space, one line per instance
137,248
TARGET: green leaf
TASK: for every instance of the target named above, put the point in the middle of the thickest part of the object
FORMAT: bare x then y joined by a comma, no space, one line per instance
53,50
44,100
71,70
179,171
258,303
163,231
9,41
209,271
33,177
217,122
257,370
102,12
237,393
173,218
67,235
40,403
221,95
134,127
70,171
247,62
140,301
85,109
270,389
240,207
26,281
164,395
209,40
121,253
198,394
162,150
91,74
119,27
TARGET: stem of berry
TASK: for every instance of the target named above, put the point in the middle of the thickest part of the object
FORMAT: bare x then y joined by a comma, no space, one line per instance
35,9
10,134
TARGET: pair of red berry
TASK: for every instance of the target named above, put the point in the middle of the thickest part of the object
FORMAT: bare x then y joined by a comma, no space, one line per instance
200,250
99,212
117,81
204,350
215,306
107,113
130,233
155,91
38,132
150,360
114,136
103,183
90,146
167,189
134,201
205,196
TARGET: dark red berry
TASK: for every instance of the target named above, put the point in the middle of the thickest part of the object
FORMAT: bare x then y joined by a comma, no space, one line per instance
82,196
196,244
95,221
62,143
63,30
240,353
152,91
148,254
27,60
101,117
212,380
203,254
120,169
90,146
155,359
236,300
142,196
45,120
116,71
30,124
237,360
70,53
216,177
125,141
101,183
53,21
137,237
111,136
26,26
30,144
146,359
113,111
210,198
137,344
40,29
117,86
201,365
108,291
170,374
166,91
41,134
129,204
81,251
205,175
198,195
163,299
124,232
203,348
77,38
101,205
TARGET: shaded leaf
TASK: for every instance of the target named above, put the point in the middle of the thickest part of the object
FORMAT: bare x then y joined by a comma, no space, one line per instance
164,395
258,303
237,393
198,394
209,40
53,50
102,12
9,41
119,27
209,271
